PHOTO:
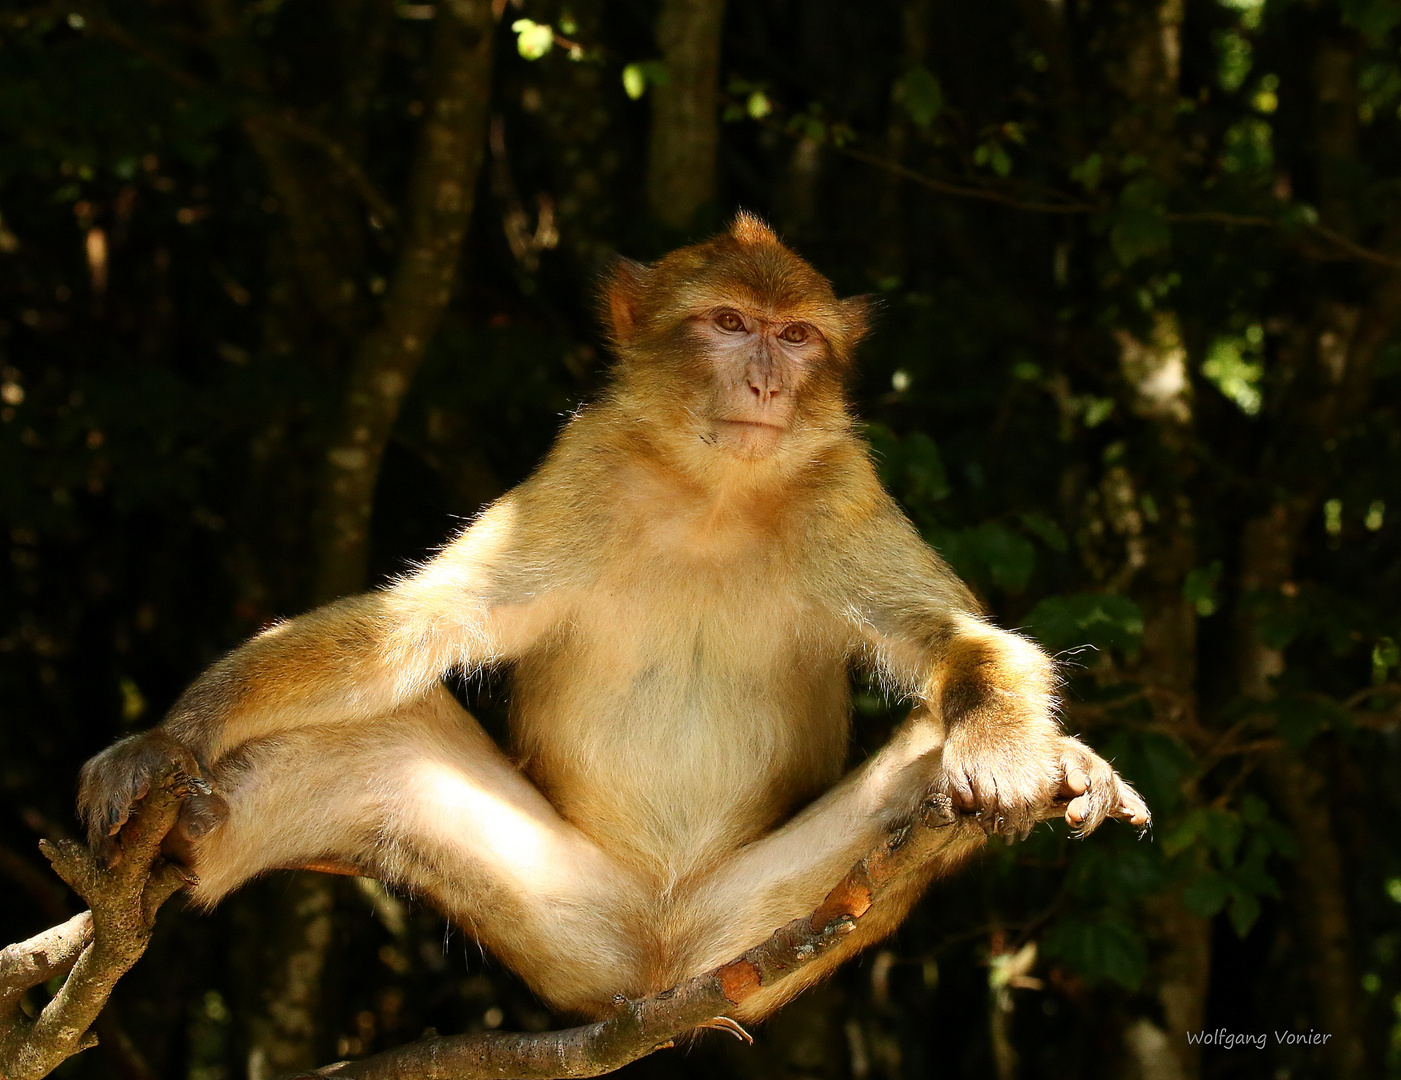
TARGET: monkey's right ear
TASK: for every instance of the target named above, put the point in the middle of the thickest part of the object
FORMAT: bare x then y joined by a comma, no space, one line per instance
627,284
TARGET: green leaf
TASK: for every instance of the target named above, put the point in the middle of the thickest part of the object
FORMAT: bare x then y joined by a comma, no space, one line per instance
1298,721
1045,530
1121,867
1199,588
921,95
1099,949
1278,619
911,468
644,73
1140,225
1087,174
1008,556
1207,895
1103,620
1375,18
1244,910
924,467
533,39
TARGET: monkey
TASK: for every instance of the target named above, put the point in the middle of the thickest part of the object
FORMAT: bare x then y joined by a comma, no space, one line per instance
681,591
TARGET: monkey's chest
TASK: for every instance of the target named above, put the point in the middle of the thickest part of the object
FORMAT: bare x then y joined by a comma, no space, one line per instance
673,725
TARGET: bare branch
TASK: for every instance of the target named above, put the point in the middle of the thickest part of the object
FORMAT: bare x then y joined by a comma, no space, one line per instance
97,947
1043,200
639,1027
43,956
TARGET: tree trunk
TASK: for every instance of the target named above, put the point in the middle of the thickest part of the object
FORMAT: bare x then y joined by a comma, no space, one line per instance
285,1033
1301,791
685,112
1146,65
442,189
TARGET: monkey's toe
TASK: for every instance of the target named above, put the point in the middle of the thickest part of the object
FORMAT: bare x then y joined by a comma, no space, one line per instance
1095,791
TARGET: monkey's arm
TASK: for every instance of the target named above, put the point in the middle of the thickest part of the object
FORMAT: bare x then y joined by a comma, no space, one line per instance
993,691
475,604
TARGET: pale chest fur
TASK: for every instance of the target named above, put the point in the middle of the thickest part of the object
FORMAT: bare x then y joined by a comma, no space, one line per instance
696,695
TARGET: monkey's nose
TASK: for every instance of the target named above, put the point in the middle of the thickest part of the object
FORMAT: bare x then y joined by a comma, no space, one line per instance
765,390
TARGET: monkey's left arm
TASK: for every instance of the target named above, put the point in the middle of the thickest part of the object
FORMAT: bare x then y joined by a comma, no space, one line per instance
1005,756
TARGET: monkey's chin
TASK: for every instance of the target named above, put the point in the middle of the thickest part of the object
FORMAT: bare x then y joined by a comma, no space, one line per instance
747,439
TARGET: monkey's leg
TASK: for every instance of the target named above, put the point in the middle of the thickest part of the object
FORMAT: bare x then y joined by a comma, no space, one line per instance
787,874
424,798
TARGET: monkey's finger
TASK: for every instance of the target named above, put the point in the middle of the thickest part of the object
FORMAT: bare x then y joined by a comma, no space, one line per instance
116,817
107,851
199,816
1131,806
1077,812
961,790
1076,782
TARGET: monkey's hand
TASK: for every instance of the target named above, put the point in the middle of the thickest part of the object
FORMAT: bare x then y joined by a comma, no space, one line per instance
114,781
1012,779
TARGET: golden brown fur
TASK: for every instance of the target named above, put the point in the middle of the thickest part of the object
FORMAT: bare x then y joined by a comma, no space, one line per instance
682,588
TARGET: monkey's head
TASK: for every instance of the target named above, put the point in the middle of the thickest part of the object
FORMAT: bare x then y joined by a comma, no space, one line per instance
735,344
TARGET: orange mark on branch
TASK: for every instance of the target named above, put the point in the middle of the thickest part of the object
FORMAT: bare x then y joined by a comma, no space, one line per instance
738,979
851,897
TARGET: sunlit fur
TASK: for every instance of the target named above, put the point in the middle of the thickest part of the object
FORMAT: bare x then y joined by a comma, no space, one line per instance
681,613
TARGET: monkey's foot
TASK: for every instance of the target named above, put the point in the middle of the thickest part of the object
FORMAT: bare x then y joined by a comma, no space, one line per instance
117,779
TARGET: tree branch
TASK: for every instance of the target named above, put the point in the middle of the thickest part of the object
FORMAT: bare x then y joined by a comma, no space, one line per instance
97,947
1052,201
640,1027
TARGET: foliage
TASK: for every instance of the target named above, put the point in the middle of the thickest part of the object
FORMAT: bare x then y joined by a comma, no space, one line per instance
1135,374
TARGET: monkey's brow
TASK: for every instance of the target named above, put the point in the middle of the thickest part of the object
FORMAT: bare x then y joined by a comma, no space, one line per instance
767,316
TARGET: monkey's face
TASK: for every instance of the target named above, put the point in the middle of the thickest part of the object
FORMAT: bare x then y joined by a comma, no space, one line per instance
760,366
737,337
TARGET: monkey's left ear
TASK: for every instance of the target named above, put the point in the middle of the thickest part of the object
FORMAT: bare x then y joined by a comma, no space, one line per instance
622,298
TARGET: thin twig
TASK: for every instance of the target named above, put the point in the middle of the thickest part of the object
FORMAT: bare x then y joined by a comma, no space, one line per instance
99,946
1052,201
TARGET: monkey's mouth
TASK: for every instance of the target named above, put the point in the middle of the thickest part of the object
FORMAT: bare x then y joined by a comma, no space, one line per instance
755,424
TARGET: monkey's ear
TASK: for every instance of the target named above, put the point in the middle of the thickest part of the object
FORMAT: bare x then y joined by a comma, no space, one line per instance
622,298
857,313
750,230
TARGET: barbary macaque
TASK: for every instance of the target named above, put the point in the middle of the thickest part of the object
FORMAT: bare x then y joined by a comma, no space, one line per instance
682,590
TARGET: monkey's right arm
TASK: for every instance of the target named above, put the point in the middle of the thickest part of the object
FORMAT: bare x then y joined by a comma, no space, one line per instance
352,660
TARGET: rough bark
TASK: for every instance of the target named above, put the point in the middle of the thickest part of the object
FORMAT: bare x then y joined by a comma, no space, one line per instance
685,111
1148,71
640,1027
1162,556
101,945
432,224
1331,377
442,189
95,948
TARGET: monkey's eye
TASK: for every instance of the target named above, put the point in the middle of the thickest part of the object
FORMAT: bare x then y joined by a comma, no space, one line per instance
795,334
728,320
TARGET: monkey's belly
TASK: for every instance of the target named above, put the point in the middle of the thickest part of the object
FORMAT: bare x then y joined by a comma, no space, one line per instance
673,765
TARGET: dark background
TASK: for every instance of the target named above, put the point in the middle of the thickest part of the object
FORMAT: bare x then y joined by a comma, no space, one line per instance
1135,373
